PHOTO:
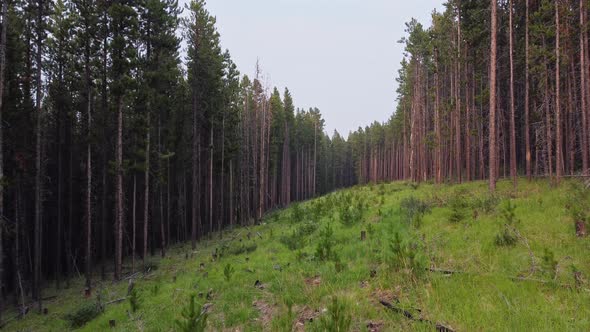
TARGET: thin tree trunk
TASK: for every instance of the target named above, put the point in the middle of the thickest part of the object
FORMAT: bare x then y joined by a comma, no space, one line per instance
527,96
221,186
38,162
134,222
160,192
583,92
211,182
558,147
119,193
512,111
492,117
146,192
2,67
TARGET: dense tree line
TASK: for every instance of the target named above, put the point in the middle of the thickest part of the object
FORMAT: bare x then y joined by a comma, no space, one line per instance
491,89
114,146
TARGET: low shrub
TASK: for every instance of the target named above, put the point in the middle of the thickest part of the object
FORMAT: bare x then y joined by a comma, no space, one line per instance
228,271
134,300
337,319
508,235
297,213
241,248
193,317
413,209
82,314
406,255
549,263
297,238
325,247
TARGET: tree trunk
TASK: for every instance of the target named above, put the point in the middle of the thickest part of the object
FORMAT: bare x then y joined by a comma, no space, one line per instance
2,66
527,96
211,182
558,147
119,193
492,117
512,111
583,93
133,222
146,193
38,162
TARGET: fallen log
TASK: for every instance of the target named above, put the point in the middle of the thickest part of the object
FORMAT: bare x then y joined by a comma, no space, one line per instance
116,300
439,326
443,271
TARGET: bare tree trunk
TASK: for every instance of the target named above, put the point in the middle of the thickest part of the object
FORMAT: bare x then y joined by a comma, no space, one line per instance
134,222
492,117
211,182
146,193
221,186
438,146
583,92
458,164
315,159
160,191
527,96
119,193
2,67
38,163
195,184
548,138
558,146
512,111
231,194
89,191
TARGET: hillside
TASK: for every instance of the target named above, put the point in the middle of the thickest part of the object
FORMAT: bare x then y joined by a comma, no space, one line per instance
448,255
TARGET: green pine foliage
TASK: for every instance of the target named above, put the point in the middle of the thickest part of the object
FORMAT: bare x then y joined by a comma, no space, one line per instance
193,317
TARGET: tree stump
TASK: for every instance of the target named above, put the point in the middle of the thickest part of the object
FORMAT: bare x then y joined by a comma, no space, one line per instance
581,229
130,286
112,323
363,235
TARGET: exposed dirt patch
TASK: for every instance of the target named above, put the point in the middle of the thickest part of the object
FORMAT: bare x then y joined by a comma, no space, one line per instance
313,281
374,326
387,295
306,314
375,219
266,313
260,285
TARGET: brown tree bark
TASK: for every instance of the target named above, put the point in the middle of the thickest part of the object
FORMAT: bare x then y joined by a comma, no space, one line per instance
492,117
119,193
558,146
38,162
583,92
2,67
527,129
146,191
512,111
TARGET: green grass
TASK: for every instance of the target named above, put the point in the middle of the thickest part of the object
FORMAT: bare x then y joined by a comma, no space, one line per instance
484,295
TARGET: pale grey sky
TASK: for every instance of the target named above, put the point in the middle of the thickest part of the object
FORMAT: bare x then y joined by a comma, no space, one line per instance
341,56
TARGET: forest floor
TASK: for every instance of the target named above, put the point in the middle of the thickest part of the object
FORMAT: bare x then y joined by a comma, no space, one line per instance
434,258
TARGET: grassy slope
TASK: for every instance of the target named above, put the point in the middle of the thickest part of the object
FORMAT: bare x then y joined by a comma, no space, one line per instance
485,298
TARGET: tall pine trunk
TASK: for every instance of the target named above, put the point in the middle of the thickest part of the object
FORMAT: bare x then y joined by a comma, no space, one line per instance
38,162
2,66
512,111
492,117
119,193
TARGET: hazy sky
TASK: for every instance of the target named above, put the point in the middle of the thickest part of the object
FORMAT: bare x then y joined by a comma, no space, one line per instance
341,56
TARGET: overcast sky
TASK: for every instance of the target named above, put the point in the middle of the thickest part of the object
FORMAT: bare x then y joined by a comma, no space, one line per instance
341,56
